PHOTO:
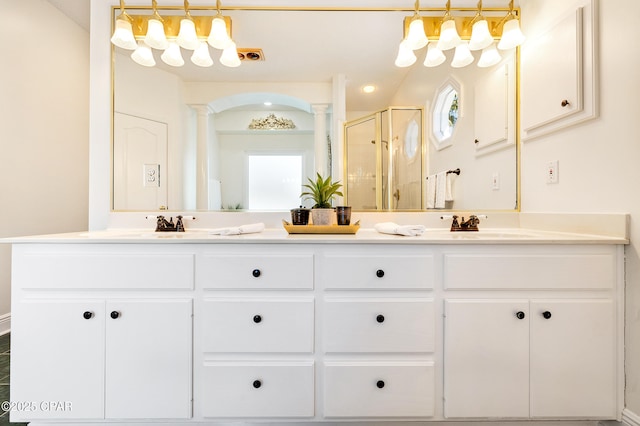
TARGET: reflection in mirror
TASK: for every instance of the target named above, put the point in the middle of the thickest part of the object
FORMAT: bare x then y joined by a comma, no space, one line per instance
384,160
203,164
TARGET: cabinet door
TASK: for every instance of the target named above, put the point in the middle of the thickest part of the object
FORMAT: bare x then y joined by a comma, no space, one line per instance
57,355
486,358
573,358
148,359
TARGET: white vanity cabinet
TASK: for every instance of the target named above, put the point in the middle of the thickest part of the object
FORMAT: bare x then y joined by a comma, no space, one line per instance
256,338
378,323
296,329
107,354
514,349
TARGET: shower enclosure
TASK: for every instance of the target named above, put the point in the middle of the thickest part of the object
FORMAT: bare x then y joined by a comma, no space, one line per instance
384,160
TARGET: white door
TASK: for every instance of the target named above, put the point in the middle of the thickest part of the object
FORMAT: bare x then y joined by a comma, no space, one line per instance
486,358
57,355
139,163
148,359
573,358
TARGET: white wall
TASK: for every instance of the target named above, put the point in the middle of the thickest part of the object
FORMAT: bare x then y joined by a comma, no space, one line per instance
44,118
598,169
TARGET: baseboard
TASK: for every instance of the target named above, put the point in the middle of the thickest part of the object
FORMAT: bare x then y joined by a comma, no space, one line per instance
629,418
5,324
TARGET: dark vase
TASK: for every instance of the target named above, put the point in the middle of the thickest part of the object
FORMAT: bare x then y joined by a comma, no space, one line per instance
300,216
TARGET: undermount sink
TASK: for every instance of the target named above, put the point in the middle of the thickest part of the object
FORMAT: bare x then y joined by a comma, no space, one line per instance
488,234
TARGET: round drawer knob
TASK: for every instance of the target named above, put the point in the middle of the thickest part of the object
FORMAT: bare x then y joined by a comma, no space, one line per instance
380,384
115,314
257,319
256,273
87,315
564,103
257,384
380,318
546,314
520,315
379,273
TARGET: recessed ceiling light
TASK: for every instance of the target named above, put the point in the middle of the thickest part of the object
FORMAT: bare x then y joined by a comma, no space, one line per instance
369,88
267,103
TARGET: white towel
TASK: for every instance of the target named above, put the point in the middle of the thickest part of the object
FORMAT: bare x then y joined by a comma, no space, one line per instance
395,229
441,189
244,229
448,193
431,191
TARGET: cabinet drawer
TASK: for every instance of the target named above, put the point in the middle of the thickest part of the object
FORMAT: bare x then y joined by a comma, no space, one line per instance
256,271
530,271
91,267
258,390
379,389
379,325
377,271
258,325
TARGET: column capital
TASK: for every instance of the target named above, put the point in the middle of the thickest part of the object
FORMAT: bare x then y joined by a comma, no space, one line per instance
319,108
202,109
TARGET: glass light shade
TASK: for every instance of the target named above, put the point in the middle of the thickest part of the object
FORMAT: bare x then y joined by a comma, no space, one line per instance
417,39
405,57
511,35
172,55
187,37
219,37
434,56
143,55
462,57
123,35
480,35
229,57
490,56
449,37
201,55
155,37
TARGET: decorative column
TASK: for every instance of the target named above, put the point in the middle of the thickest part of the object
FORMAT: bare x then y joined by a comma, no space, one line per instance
202,156
320,138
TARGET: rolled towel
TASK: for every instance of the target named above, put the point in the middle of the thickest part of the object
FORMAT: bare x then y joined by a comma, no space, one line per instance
395,229
252,228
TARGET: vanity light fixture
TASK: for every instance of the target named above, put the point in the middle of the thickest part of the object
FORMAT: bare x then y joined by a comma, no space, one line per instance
143,33
416,39
483,33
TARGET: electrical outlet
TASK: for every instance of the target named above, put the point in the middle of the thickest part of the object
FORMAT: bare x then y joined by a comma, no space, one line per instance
552,171
495,181
151,175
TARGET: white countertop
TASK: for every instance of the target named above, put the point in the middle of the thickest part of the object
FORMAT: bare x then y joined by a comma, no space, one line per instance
363,236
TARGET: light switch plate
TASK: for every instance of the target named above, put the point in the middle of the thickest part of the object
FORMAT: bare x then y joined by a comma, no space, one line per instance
552,171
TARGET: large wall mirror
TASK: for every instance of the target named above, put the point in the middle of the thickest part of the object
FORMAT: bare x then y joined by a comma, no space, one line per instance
246,137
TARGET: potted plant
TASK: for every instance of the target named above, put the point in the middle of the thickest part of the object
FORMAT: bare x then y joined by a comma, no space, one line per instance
321,191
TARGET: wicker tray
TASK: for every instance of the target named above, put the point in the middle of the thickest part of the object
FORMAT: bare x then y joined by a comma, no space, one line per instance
321,229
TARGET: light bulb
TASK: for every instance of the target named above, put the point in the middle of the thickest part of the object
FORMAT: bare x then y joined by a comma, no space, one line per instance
219,37
449,37
143,55
511,35
405,57
172,55
187,37
490,56
123,35
480,36
229,57
155,37
434,56
462,57
416,39
201,55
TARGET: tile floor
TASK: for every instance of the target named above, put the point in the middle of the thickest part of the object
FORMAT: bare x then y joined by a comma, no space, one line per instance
4,377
